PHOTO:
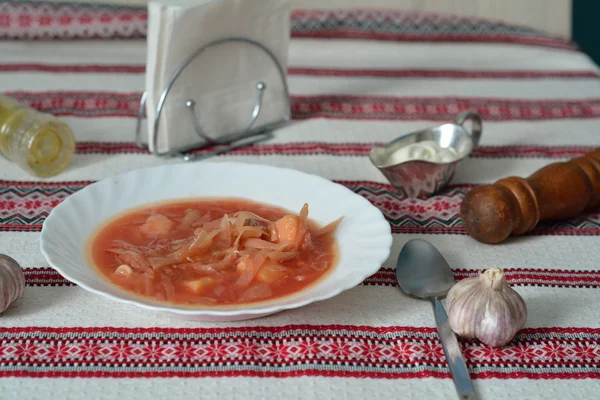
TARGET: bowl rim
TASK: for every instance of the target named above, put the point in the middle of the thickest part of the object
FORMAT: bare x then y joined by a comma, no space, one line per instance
267,307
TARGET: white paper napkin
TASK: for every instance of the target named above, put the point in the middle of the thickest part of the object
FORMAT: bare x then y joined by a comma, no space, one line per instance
222,80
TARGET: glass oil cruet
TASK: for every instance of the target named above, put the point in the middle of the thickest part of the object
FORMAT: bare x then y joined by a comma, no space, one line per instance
38,142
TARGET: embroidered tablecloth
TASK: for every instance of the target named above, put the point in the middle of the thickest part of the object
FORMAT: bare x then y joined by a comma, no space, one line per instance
357,78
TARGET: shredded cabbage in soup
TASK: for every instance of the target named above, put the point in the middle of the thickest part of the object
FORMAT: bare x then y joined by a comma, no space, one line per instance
215,253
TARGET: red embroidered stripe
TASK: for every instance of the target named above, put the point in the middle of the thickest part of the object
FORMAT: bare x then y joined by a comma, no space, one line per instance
324,350
387,277
515,276
436,73
24,206
344,149
42,20
439,38
334,72
532,373
111,104
108,332
45,20
413,26
71,69
532,334
422,108
44,277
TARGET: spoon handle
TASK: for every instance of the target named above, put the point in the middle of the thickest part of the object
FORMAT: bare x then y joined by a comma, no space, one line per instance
454,356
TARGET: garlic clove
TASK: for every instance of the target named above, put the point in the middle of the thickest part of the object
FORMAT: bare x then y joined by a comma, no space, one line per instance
486,308
12,281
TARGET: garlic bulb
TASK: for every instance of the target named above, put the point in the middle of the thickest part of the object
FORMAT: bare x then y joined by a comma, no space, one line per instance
487,308
12,281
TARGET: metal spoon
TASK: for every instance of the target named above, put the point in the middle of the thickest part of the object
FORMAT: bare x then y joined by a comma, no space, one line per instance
424,273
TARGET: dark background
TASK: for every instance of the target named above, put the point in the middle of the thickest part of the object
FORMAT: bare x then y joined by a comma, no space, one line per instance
586,27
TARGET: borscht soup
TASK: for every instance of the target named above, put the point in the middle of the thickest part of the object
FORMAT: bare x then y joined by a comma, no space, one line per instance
213,252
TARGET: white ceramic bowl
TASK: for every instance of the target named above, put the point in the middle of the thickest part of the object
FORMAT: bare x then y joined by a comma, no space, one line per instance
364,236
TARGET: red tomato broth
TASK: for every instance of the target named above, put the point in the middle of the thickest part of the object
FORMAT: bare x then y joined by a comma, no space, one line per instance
215,279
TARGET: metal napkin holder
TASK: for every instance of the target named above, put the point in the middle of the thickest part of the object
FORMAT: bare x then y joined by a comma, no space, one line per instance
250,135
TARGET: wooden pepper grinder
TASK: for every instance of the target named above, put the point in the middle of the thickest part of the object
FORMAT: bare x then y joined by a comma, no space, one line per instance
514,206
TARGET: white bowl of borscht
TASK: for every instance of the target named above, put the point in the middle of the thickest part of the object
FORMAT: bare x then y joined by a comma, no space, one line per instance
216,241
